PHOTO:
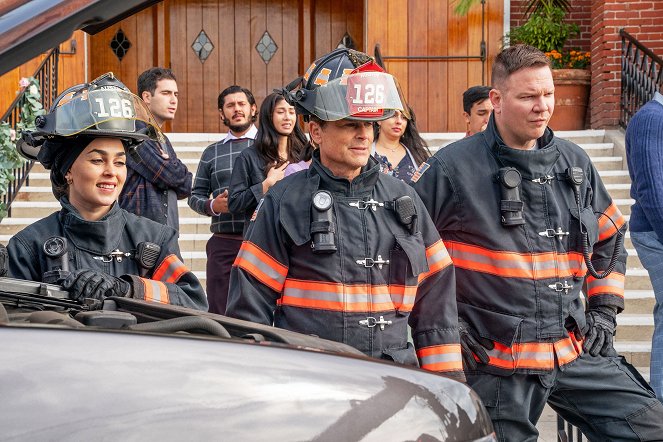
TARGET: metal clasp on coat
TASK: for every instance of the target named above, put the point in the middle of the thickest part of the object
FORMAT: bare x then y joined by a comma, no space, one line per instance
551,233
115,254
362,205
371,322
370,262
544,179
561,287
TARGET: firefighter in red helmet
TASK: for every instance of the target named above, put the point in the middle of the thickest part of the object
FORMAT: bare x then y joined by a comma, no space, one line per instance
341,250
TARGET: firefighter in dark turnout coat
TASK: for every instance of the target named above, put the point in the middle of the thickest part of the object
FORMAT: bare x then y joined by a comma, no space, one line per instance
509,203
343,251
93,247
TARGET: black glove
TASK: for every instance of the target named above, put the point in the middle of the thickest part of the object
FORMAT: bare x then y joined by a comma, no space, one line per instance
601,324
87,283
4,260
472,344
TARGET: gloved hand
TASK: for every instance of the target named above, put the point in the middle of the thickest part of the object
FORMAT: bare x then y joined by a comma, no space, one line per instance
4,260
601,324
87,283
472,344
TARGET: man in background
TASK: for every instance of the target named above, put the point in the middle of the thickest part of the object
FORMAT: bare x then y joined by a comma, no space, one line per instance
156,178
238,110
476,109
644,153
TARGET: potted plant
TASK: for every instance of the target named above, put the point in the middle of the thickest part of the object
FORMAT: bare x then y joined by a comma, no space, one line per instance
547,30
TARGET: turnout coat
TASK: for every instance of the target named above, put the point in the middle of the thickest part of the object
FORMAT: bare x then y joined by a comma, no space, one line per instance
520,286
90,244
383,276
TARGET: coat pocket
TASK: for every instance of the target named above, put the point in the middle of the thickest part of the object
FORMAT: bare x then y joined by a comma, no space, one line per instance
498,327
405,356
590,224
407,260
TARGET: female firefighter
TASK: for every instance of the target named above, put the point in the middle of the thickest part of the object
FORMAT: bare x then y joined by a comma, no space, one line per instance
91,246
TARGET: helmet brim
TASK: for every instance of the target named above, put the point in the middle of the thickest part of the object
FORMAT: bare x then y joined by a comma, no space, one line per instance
361,96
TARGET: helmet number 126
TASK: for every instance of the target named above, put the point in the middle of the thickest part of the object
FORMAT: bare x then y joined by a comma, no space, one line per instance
372,94
117,108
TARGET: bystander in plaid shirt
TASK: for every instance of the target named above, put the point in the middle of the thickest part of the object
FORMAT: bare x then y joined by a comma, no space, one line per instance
213,177
150,175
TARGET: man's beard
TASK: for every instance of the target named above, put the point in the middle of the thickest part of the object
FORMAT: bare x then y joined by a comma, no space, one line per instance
238,128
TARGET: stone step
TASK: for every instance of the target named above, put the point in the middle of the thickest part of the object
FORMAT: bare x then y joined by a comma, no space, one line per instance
579,137
639,302
615,176
40,209
635,327
608,163
638,353
619,190
637,278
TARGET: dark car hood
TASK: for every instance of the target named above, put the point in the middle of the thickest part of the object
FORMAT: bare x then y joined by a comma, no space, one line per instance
30,27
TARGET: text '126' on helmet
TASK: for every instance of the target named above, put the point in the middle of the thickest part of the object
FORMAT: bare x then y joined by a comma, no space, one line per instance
105,107
346,84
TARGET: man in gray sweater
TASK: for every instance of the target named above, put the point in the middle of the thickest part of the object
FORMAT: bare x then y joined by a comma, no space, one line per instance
209,196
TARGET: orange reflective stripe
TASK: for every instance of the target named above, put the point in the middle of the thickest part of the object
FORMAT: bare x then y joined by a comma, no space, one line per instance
261,266
346,297
568,350
170,270
438,258
612,284
155,291
535,355
606,219
516,265
446,357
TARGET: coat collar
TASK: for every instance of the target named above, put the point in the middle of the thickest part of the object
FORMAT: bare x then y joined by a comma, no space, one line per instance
362,183
531,163
99,237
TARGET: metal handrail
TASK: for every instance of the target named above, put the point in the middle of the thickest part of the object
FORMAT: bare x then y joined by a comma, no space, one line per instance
47,74
641,76
566,432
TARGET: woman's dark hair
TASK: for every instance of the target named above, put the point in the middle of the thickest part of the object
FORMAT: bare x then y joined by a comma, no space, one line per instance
267,139
307,153
410,139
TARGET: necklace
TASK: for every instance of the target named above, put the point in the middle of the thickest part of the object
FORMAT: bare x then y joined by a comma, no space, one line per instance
391,149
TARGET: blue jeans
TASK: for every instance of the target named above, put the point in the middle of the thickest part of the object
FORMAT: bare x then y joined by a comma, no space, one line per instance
650,252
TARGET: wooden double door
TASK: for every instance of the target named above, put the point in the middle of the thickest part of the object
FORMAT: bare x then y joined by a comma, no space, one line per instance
209,45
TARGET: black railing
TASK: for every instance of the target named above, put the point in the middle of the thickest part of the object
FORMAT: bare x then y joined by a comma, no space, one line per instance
567,432
641,76
47,74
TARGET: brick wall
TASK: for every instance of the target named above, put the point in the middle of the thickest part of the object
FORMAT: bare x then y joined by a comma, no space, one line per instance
642,19
600,22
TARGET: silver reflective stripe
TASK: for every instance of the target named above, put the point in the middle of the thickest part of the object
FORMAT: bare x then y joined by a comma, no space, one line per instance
172,266
266,269
443,357
156,291
610,282
336,296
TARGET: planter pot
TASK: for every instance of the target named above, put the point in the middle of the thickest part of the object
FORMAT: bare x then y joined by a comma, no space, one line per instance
571,98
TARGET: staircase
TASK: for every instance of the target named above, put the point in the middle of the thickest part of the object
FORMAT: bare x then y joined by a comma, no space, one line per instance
635,325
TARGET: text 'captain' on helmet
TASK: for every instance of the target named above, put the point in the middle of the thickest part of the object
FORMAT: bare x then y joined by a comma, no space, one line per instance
105,107
346,84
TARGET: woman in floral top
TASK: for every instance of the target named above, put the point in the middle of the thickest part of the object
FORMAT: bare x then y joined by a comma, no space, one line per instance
398,146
